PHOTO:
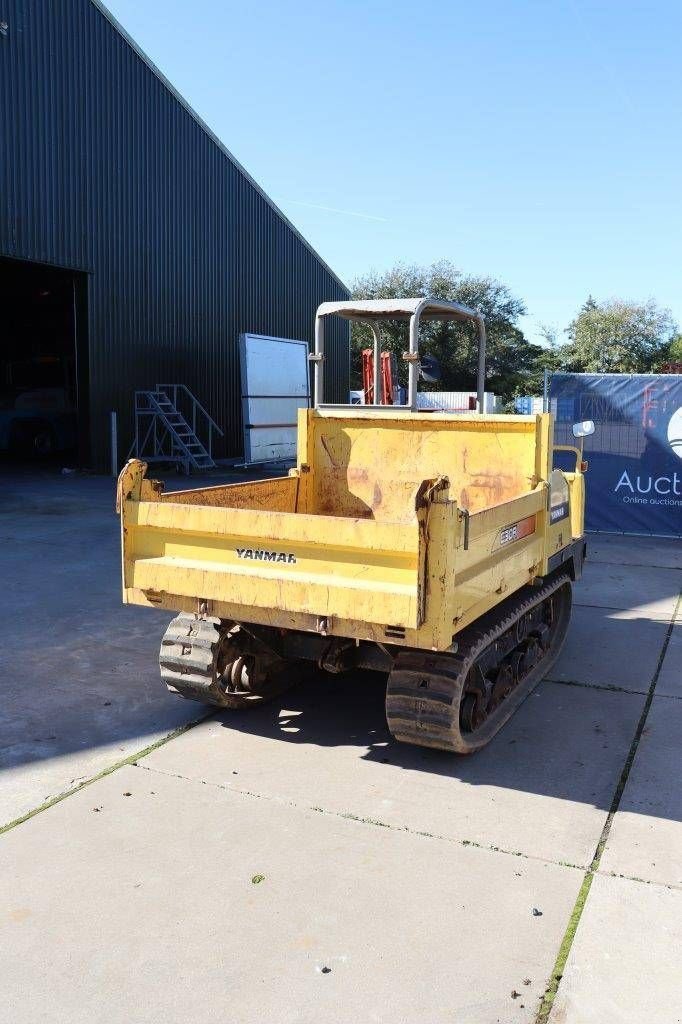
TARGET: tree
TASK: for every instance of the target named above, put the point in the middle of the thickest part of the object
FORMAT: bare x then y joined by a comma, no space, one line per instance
674,353
509,355
547,357
617,336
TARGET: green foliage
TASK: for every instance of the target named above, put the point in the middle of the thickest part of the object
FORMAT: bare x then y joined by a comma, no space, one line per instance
674,353
509,356
615,336
546,357
618,337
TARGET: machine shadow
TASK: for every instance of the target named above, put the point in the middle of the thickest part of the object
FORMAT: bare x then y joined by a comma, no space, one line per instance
568,741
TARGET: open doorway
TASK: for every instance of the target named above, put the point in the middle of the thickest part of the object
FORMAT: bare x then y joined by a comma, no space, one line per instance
42,369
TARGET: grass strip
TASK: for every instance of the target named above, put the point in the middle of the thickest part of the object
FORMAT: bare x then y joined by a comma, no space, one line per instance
579,906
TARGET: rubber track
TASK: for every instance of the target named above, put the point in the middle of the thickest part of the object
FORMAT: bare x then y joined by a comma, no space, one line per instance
425,689
188,663
187,660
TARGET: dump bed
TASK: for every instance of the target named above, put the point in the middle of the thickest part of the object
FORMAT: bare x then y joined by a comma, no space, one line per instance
395,526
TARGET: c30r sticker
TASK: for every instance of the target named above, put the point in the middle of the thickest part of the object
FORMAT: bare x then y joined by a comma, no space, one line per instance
558,512
517,531
259,555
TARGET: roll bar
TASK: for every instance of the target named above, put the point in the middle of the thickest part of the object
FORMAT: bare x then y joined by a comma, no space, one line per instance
372,311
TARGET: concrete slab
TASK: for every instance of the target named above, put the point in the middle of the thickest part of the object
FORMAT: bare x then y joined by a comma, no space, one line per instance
646,834
670,679
605,647
542,787
665,552
69,714
645,592
622,968
147,910
80,687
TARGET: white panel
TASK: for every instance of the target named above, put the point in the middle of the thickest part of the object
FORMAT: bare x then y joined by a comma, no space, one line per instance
282,411
275,385
454,401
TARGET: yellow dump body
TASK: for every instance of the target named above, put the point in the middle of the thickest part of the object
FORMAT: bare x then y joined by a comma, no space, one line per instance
397,527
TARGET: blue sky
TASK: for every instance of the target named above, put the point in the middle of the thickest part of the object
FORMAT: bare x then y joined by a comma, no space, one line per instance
538,143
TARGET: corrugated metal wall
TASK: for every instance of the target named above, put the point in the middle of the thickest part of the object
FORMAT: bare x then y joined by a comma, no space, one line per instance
103,169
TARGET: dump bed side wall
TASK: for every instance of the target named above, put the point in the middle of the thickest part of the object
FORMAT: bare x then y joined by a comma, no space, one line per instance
277,494
504,550
368,466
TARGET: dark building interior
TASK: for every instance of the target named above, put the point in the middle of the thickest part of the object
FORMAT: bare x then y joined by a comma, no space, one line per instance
42,369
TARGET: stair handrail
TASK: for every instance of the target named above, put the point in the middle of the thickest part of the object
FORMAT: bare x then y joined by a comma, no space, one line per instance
147,403
196,404
156,411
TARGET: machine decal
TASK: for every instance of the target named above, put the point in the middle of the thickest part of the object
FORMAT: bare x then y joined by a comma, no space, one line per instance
258,555
517,531
559,512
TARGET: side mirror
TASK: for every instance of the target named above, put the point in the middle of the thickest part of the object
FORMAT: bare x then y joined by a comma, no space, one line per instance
429,369
583,429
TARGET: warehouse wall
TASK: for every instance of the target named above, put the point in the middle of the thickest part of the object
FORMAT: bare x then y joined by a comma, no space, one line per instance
103,169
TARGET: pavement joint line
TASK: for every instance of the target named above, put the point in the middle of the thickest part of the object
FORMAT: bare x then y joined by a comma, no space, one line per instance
596,686
630,565
642,881
10,658
613,608
593,869
350,816
611,689
131,759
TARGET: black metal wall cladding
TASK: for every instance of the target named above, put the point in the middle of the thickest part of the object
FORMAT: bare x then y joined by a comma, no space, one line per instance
104,169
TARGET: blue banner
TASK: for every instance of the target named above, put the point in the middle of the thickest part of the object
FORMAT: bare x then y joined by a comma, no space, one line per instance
634,480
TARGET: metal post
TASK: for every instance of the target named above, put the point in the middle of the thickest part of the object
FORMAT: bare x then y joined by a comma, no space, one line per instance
318,374
545,391
413,363
480,388
137,425
377,365
113,433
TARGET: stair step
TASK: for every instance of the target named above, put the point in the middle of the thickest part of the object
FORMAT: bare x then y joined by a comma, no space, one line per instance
185,446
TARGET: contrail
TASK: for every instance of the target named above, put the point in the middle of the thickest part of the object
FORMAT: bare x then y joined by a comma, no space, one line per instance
334,209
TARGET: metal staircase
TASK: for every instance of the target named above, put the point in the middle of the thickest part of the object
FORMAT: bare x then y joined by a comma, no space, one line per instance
167,420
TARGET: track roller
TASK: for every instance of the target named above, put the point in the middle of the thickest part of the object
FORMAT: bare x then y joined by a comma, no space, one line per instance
458,701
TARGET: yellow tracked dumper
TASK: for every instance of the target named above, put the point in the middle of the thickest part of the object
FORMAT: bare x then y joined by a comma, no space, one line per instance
437,547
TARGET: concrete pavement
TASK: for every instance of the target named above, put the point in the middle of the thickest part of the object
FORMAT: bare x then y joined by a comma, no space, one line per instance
164,899
624,963
295,864
80,683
